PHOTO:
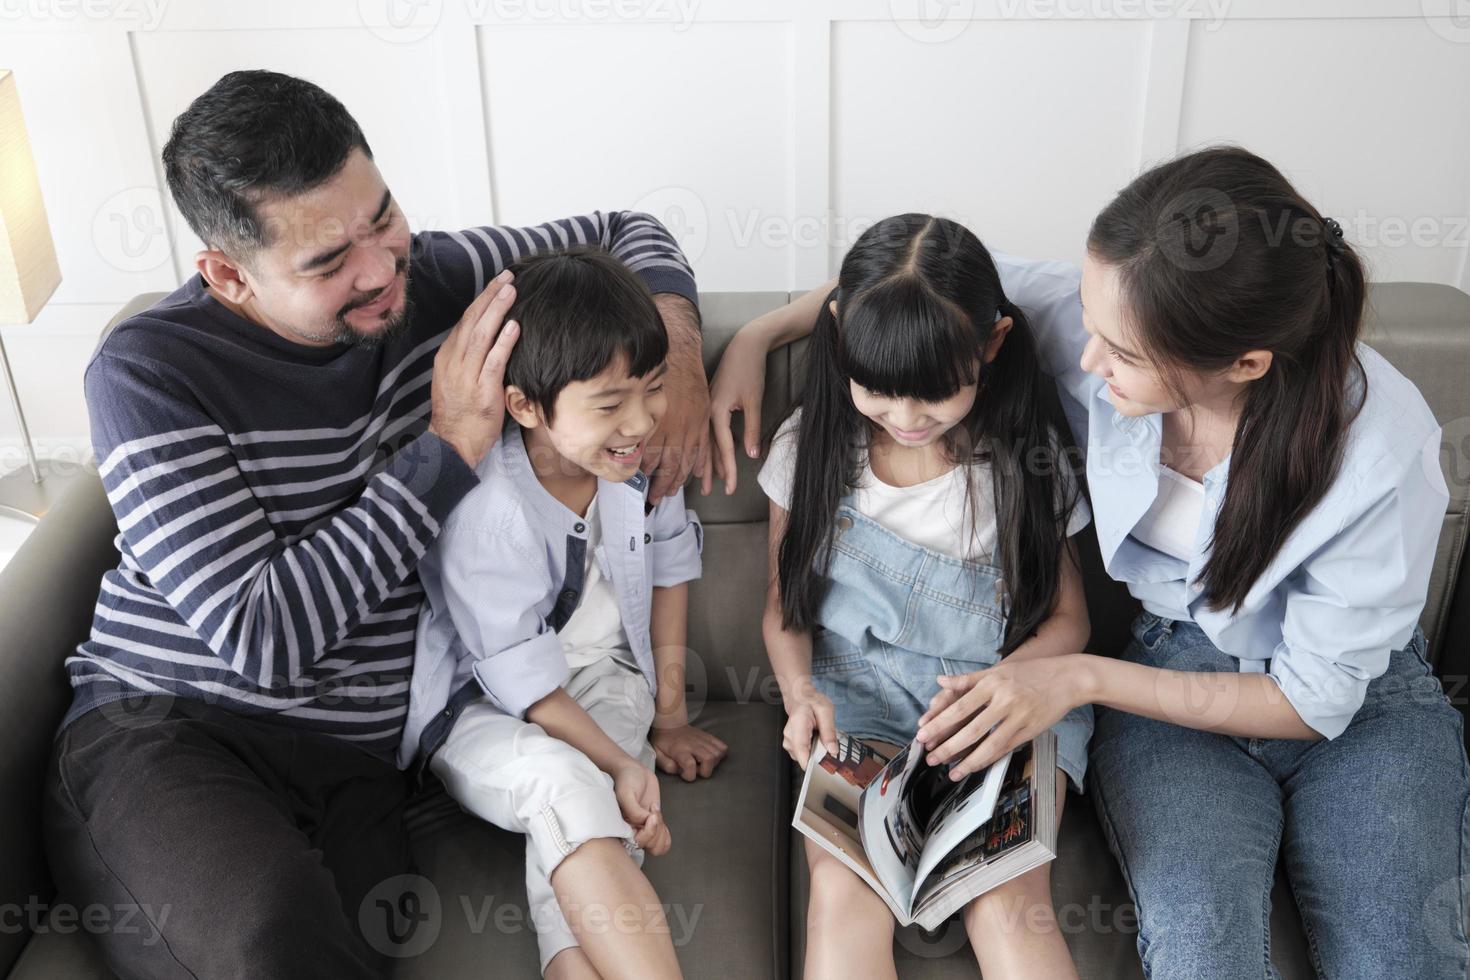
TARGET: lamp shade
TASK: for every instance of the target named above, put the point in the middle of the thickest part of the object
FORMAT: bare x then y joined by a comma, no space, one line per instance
28,270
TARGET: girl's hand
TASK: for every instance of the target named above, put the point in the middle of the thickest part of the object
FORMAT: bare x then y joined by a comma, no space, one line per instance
687,752
636,789
809,711
989,712
738,386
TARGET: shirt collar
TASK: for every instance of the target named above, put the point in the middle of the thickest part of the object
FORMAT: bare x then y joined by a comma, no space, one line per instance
517,467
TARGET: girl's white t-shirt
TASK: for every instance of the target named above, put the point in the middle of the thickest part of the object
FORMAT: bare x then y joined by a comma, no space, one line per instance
933,514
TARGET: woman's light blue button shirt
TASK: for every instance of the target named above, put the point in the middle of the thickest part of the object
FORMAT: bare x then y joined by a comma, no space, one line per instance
1349,583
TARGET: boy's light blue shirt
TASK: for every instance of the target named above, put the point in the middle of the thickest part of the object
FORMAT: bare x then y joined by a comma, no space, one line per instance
1348,585
507,571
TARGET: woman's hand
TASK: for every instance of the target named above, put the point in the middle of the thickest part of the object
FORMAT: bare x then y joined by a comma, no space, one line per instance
989,712
807,711
739,385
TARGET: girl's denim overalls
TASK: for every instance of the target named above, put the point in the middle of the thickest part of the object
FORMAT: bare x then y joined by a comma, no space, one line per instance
894,616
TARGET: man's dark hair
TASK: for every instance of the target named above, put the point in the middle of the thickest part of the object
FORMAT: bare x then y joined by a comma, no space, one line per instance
253,134
579,310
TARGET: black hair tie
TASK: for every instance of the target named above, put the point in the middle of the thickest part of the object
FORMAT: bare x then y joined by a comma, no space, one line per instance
1335,241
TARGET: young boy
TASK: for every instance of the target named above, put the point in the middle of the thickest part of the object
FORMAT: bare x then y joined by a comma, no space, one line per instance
553,633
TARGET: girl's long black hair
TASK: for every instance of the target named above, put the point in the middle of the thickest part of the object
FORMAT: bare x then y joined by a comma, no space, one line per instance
917,299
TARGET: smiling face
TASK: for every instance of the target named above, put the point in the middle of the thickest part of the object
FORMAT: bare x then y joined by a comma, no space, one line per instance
335,266
909,422
1136,385
599,426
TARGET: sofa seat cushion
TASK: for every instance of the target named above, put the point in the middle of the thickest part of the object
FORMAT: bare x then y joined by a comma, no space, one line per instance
723,883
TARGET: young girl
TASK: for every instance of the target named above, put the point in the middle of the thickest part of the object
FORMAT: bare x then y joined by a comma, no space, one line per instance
919,516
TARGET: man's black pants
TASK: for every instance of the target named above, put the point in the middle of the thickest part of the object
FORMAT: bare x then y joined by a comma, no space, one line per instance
232,846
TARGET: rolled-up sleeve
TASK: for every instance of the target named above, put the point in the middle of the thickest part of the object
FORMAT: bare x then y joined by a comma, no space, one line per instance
1360,596
676,542
491,589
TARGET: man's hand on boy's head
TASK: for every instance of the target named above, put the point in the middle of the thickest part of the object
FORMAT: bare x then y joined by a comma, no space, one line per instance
467,392
680,446
687,752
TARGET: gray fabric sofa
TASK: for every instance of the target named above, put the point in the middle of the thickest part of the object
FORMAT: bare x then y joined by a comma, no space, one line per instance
735,881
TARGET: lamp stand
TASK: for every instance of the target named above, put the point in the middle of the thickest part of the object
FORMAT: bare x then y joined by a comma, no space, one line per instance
30,491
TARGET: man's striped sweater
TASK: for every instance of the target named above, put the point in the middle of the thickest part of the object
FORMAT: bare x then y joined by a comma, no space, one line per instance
273,499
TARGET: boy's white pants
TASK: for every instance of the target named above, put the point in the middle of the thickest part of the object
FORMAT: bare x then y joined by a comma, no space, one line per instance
513,774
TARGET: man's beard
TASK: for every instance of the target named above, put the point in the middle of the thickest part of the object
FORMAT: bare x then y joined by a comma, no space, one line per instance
344,333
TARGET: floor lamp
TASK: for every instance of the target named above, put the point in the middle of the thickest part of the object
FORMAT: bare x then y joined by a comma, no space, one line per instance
28,276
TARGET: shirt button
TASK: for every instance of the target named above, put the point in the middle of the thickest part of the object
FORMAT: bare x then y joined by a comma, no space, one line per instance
580,528
448,712
844,522
647,538
567,595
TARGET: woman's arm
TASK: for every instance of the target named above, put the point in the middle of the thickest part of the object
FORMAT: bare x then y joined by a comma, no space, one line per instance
983,715
791,661
740,380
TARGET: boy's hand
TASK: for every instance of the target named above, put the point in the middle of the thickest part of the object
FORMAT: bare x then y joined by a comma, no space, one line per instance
687,751
809,711
636,789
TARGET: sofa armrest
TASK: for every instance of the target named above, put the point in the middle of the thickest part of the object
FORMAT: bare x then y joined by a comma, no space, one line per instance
47,594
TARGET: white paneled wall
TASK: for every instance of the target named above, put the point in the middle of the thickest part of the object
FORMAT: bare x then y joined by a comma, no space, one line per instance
767,134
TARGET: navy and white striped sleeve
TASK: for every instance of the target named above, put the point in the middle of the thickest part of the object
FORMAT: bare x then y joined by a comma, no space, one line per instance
467,260
267,607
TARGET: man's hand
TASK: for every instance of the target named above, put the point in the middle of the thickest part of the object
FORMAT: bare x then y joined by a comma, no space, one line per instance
467,395
636,789
679,446
687,752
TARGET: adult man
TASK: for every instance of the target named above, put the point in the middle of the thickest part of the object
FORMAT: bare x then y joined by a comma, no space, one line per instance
279,440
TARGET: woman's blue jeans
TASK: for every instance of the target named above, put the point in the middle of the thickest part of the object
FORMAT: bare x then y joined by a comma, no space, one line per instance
1371,827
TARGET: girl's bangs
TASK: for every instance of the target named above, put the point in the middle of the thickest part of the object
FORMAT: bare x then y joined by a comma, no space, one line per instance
904,343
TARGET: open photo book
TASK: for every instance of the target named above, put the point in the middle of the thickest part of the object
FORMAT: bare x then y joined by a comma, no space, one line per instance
925,843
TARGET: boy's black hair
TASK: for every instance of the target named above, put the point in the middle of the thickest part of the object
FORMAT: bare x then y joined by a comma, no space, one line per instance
253,133
579,311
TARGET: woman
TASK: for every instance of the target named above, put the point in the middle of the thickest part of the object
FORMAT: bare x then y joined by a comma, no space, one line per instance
1270,491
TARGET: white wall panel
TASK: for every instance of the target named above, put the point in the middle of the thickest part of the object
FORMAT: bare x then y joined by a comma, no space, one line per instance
691,125
1021,130
1368,117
